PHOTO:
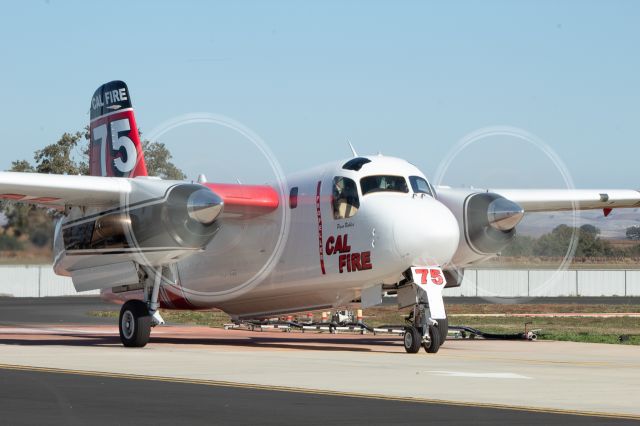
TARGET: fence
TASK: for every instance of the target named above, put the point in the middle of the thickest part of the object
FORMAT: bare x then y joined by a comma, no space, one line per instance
547,283
36,281
40,281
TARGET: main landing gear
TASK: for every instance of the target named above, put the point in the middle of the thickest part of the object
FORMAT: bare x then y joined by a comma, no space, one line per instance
135,324
137,317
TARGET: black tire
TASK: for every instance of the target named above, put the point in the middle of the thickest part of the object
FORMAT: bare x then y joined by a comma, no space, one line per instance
412,339
134,324
433,345
443,326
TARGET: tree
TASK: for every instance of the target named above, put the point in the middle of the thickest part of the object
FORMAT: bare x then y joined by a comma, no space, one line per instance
61,157
522,245
590,245
590,229
158,160
22,166
633,232
556,243
24,219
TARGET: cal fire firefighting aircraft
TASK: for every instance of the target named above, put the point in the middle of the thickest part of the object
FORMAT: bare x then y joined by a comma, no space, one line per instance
345,231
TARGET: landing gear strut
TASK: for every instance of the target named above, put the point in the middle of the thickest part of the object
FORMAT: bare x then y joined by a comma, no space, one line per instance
137,317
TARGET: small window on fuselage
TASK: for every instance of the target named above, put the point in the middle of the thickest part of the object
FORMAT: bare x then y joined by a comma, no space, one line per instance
383,183
344,198
293,197
420,185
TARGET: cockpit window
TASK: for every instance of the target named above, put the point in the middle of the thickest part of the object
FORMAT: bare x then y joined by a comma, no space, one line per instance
420,185
383,183
345,198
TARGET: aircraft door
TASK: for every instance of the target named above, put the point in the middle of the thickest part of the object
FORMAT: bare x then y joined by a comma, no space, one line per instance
338,204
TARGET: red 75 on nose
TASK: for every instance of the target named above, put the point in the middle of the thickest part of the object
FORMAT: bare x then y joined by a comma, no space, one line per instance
426,275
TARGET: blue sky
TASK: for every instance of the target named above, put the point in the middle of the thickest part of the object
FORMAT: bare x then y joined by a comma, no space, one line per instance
405,78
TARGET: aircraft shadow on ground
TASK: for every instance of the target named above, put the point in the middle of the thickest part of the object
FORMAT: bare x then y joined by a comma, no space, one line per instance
272,342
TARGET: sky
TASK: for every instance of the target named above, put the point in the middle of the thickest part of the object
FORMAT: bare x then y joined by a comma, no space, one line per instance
408,79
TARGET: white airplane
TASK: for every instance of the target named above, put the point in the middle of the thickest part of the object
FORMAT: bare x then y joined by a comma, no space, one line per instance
344,231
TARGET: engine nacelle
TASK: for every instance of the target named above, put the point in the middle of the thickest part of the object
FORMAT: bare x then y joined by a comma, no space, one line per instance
158,223
487,223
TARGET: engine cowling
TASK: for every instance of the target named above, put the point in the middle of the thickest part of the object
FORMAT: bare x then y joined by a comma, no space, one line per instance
487,223
155,230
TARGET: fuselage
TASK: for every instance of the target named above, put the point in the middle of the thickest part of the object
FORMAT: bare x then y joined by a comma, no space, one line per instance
350,225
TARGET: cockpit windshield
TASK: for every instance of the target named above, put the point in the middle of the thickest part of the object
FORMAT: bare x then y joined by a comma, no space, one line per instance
420,185
383,183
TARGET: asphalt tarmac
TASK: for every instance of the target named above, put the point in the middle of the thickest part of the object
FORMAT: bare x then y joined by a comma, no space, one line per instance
30,397
53,310
60,366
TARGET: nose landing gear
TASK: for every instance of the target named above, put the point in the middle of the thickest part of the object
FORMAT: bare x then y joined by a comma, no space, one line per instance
427,323
431,346
421,331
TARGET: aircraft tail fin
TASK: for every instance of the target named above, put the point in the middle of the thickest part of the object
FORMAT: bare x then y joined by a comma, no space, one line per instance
114,148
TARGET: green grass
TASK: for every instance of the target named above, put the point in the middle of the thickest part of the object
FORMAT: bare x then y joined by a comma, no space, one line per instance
574,329
207,318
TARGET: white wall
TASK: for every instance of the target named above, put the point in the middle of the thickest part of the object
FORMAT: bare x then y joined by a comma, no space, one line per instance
544,283
468,287
547,283
20,280
502,283
601,283
632,287
36,281
40,281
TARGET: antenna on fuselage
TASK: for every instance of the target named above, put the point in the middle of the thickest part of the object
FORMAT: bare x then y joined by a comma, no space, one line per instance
353,150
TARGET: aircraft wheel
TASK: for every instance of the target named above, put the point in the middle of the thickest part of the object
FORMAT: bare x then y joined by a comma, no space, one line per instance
412,338
135,324
443,326
433,345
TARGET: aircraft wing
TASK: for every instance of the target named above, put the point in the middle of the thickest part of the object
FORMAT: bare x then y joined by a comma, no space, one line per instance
56,191
547,200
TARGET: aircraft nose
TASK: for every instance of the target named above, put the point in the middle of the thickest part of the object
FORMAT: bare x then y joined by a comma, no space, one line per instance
426,232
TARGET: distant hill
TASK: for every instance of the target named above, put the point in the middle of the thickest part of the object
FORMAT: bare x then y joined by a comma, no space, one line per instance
612,227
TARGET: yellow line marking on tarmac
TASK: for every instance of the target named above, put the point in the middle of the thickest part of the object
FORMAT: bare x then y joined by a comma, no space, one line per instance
276,388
